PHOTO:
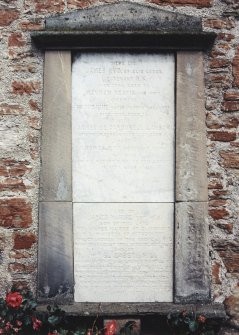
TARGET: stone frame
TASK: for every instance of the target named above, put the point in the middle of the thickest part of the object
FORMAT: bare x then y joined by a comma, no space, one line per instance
101,28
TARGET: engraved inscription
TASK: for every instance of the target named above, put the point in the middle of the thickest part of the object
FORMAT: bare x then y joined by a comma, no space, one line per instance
123,128
123,177
123,252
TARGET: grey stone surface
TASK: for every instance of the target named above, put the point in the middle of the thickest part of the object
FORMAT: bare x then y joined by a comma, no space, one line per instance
191,164
55,254
123,25
55,183
145,40
211,311
192,280
124,16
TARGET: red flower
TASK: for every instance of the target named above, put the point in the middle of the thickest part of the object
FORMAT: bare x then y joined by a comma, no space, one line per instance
14,299
201,319
1,331
8,326
19,323
111,327
36,323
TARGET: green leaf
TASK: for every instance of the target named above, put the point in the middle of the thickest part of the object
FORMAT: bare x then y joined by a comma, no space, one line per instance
27,320
193,326
33,304
54,320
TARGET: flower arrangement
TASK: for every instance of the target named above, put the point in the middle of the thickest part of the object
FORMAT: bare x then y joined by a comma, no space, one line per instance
19,316
184,323
17,313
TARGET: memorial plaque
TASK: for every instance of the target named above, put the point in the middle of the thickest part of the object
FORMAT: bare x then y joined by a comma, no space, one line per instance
123,177
123,128
123,252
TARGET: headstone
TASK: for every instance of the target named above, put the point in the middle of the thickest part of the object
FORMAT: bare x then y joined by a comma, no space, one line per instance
123,176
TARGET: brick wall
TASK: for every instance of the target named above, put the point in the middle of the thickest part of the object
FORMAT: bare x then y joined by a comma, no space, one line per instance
21,69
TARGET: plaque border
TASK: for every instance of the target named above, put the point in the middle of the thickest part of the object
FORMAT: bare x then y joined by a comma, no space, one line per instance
191,270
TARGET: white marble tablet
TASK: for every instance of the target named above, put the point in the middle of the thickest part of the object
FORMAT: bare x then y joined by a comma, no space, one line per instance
123,127
123,252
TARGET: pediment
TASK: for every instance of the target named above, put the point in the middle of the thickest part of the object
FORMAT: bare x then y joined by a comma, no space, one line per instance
124,25
124,16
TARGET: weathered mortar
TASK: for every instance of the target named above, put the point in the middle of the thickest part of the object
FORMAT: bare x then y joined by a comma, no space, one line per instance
21,111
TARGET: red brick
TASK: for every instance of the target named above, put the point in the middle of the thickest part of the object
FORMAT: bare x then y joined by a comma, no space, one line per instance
19,254
225,37
235,68
20,284
222,136
12,184
219,213
229,252
2,241
215,185
34,122
24,68
234,144
7,16
219,80
231,95
219,23
15,54
216,53
231,122
6,109
13,168
72,4
227,227
31,25
24,240
230,106
231,305
218,203
216,273
224,46
230,159
214,122
33,138
194,3
15,213
34,105
220,194
219,62
34,153
16,40
20,268
48,6
214,174
20,87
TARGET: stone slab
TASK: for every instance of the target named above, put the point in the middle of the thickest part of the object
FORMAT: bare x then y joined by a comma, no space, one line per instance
211,311
123,127
55,181
191,163
123,252
192,280
143,40
124,16
55,253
